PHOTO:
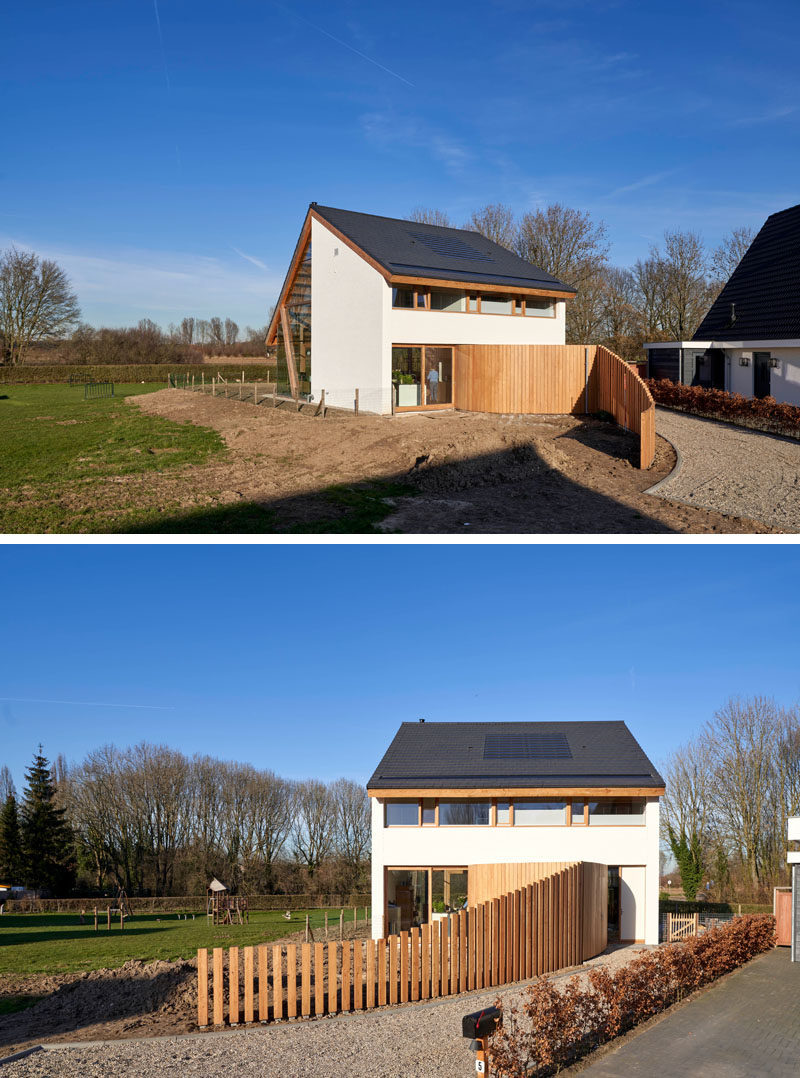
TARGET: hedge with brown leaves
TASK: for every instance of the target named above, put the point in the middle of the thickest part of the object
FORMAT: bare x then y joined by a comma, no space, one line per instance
554,1026
764,413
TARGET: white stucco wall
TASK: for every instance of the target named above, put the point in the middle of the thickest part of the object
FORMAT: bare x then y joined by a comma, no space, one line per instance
347,297
405,847
455,327
784,379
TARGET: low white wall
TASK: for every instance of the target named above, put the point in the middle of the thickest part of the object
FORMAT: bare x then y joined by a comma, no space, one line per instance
443,846
784,380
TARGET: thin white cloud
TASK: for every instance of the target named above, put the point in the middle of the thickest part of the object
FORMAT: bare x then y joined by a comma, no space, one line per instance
645,181
251,258
83,703
391,132
768,117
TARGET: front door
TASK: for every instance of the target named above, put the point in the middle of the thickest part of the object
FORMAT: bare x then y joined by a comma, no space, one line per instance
422,377
631,903
761,361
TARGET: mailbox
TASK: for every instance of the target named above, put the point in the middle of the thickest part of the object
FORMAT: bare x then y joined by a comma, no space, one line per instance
481,1024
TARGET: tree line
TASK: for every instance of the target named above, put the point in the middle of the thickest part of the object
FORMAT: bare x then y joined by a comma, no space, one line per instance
663,296
146,342
729,794
157,822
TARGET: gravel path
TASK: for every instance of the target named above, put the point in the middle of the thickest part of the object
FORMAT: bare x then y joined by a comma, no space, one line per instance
419,1039
739,472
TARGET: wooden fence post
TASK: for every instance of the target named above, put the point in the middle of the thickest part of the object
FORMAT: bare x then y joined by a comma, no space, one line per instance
249,978
333,978
233,986
326,924
306,928
277,983
202,988
381,948
355,403
341,925
108,911
358,976
95,918
218,988
319,979
291,980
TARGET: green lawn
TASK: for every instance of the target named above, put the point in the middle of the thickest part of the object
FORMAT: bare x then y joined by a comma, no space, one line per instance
58,452
64,463
59,943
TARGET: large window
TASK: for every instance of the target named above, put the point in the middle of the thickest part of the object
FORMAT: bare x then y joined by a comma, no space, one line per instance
402,813
617,813
402,297
448,889
539,813
298,309
464,813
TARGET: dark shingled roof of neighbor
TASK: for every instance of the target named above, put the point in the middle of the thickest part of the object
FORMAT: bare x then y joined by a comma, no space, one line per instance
411,249
765,288
438,755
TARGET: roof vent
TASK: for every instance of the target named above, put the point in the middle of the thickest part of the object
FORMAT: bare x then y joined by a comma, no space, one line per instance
733,315
526,747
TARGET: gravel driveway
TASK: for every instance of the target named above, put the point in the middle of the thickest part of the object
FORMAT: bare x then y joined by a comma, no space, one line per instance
739,472
413,1040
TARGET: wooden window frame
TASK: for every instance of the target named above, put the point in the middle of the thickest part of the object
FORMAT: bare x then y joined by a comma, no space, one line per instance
544,801
626,825
429,869
406,801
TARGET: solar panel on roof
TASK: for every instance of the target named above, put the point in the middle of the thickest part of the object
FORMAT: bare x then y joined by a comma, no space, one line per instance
451,246
526,747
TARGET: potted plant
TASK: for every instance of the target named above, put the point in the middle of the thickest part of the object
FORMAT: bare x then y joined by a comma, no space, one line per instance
407,392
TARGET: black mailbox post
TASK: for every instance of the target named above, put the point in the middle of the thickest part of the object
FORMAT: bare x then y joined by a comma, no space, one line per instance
479,1026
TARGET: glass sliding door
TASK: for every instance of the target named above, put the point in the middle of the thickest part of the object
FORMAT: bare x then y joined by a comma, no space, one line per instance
438,375
422,376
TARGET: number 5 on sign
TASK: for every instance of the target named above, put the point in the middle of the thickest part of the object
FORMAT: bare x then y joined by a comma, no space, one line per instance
480,1066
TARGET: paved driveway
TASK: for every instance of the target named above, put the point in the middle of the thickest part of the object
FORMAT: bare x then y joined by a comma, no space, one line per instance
747,1026
730,469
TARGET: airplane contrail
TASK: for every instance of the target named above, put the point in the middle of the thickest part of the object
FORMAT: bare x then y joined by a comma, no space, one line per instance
344,44
161,42
82,703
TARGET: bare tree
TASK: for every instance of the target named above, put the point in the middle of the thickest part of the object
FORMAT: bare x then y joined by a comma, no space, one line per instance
353,824
231,331
684,282
314,826
731,251
187,330
426,215
618,328
216,332
36,302
202,331
686,811
7,787
496,222
650,298
568,244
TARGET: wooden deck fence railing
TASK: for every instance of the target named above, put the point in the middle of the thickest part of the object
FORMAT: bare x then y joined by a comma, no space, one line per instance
622,392
682,925
535,929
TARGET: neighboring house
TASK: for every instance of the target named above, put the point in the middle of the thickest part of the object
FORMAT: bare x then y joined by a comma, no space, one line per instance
749,342
379,305
449,795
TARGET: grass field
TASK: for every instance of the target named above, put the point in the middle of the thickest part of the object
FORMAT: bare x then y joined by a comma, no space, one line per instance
57,451
59,943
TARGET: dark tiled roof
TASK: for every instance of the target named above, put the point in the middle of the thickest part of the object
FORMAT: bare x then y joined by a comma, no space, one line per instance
765,287
410,249
438,755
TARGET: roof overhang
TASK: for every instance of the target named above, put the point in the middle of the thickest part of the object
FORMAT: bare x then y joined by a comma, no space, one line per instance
495,790
725,344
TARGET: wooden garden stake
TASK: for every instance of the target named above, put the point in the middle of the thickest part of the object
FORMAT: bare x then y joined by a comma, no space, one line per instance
341,925
108,911
95,918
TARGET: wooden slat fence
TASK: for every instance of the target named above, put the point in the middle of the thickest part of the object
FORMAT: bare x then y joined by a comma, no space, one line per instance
682,925
555,379
534,929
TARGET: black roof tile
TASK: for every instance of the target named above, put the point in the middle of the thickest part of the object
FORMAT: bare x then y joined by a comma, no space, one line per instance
765,288
438,755
412,249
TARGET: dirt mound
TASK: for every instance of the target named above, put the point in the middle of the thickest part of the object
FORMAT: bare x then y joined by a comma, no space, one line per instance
137,996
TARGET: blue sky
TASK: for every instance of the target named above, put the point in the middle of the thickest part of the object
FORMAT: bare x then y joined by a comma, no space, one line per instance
290,670
165,152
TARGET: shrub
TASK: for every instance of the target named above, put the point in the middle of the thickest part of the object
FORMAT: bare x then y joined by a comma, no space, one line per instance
554,1026
765,412
146,372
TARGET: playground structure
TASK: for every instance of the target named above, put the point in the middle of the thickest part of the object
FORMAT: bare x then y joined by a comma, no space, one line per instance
223,908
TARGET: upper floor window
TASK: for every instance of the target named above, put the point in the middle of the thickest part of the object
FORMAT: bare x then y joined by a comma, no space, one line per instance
539,813
402,297
465,813
617,812
448,301
402,813
544,308
496,304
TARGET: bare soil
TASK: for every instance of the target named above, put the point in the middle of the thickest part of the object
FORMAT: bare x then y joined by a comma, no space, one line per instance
471,472
139,999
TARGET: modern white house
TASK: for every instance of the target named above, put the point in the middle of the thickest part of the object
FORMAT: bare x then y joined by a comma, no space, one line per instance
749,342
378,305
450,795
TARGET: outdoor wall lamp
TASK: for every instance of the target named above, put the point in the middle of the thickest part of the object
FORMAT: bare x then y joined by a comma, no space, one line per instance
744,361
774,363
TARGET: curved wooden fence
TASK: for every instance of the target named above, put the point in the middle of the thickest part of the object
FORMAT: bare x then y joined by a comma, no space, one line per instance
554,379
553,923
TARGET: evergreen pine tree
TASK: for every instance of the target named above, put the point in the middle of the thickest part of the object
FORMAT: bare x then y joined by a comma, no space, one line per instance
10,842
46,837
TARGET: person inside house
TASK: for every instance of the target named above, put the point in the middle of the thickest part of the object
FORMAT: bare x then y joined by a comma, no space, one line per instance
433,385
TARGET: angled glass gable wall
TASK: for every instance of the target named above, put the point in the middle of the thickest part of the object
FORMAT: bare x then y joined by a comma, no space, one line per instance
298,309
